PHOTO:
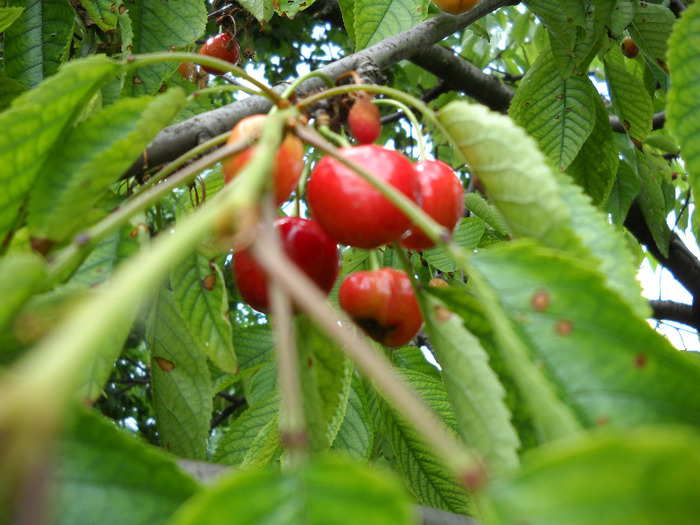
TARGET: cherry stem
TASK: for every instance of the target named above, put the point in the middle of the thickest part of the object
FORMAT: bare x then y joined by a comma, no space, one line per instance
218,89
329,134
294,85
134,61
430,227
411,117
390,93
292,423
375,365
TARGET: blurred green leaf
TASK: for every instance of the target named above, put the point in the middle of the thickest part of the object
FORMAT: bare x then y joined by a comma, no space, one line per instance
607,363
642,476
34,123
90,157
103,475
9,15
303,495
467,235
475,391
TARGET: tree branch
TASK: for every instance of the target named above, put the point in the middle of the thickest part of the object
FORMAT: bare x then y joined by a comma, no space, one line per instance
681,262
462,76
175,140
673,311
657,123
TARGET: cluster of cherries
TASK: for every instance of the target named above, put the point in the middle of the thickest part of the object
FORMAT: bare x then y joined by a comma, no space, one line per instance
348,210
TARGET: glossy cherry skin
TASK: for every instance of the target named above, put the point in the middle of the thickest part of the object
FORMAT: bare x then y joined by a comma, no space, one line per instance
306,244
383,303
442,197
349,208
288,164
364,121
221,46
455,7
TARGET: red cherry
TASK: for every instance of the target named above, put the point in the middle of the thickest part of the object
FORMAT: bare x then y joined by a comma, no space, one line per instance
289,162
221,46
349,208
443,199
306,244
364,121
383,303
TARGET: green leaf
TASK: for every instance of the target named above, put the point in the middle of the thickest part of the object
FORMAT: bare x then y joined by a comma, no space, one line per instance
557,113
104,13
516,175
10,89
467,235
424,474
631,101
532,199
651,27
200,294
20,275
644,476
99,266
254,346
622,16
92,156
595,165
347,11
35,44
477,395
355,434
607,363
9,15
376,20
30,128
607,246
476,204
182,391
624,190
251,427
412,358
326,374
318,493
683,113
262,10
653,204
102,475
159,26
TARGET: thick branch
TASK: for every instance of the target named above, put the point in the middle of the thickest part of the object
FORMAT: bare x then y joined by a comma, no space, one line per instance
462,76
181,137
657,123
673,311
681,262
